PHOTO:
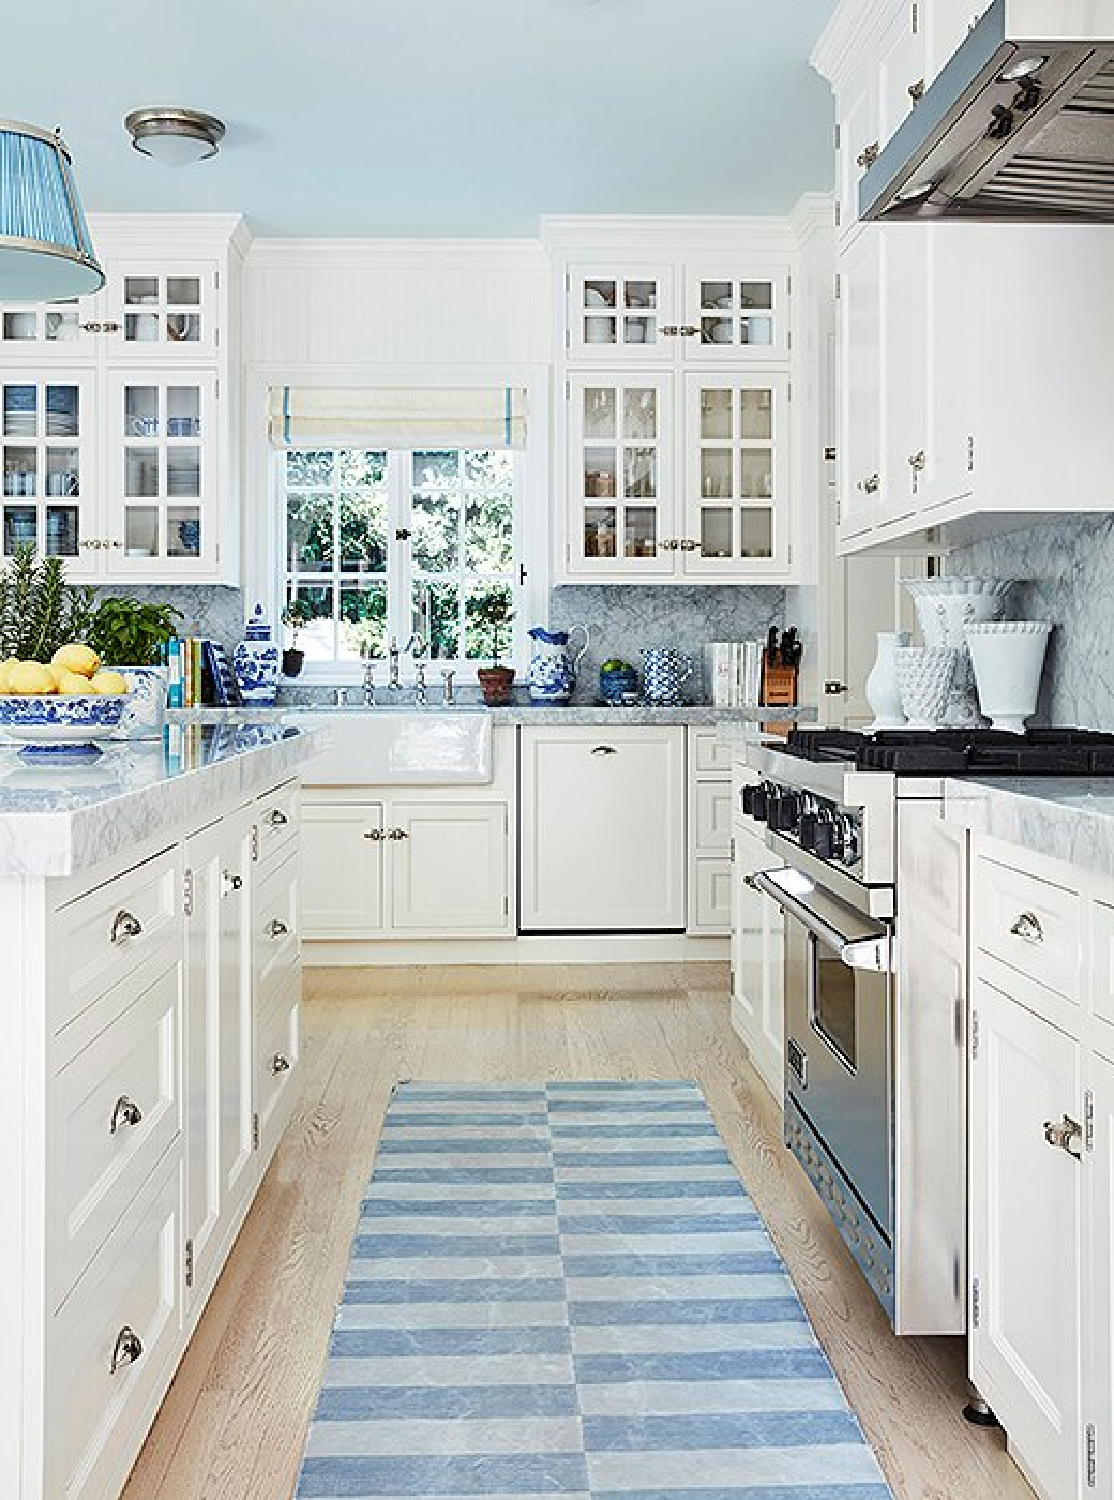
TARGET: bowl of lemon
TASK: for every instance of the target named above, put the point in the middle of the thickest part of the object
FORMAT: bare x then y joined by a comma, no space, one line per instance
59,709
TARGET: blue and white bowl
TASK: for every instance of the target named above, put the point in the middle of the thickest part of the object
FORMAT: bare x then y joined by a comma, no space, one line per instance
50,722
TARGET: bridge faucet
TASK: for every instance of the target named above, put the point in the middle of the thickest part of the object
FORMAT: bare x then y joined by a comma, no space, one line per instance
369,682
447,678
419,684
393,655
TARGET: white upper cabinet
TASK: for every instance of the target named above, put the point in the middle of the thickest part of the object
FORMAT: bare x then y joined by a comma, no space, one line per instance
163,310
621,311
47,465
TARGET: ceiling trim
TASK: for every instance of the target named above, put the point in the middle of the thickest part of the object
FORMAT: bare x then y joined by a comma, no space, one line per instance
519,254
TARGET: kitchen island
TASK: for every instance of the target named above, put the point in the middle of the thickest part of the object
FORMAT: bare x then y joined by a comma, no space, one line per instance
149,926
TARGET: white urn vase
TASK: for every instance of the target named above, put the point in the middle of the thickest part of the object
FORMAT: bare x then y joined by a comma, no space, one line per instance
1008,658
883,691
945,607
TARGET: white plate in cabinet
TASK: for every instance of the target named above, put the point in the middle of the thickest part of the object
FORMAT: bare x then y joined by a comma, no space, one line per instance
275,928
277,1050
107,933
448,865
342,850
112,1347
116,1109
276,826
1030,924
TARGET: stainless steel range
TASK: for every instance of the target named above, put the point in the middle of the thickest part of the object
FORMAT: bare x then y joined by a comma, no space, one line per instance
873,887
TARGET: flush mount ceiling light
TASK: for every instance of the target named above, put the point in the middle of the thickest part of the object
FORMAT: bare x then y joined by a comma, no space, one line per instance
45,249
174,136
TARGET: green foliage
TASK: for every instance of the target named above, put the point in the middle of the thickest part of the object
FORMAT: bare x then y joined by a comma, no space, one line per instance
489,614
39,611
125,633
296,616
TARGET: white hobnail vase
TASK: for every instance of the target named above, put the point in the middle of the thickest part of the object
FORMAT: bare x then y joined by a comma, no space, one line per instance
882,690
945,607
1008,658
925,675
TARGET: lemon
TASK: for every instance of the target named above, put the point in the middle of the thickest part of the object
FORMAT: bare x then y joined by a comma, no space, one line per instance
30,677
108,683
71,683
5,672
76,658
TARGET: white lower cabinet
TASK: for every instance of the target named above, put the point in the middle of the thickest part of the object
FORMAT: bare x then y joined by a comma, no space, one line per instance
602,829
342,866
757,960
709,874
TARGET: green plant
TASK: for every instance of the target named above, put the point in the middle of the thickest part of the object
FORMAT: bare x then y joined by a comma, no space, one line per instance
296,616
489,615
126,633
39,611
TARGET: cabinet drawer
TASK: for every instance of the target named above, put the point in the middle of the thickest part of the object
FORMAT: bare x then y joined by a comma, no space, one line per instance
709,753
1030,924
712,817
104,936
1102,987
276,819
116,1110
275,925
97,1416
277,1050
711,898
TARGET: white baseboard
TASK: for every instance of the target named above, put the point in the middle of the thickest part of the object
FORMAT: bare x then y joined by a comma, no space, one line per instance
575,948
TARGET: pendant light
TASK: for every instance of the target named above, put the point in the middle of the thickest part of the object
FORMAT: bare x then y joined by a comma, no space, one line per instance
45,250
174,136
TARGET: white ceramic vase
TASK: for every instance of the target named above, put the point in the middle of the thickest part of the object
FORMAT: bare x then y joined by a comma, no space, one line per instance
882,690
1008,658
925,675
945,607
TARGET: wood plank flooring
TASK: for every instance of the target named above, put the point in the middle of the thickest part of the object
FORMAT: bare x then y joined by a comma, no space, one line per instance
234,1421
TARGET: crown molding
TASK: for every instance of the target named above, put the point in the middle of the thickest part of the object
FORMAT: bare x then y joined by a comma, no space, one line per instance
510,254
156,233
667,234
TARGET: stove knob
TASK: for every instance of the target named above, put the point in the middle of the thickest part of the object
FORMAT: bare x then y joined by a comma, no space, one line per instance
848,839
806,832
824,840
759,797
783,810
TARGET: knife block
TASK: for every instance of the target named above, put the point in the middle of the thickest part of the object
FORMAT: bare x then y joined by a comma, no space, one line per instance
779,684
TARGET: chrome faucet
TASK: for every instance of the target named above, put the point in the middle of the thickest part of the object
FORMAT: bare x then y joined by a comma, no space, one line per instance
447,676
369,682
419,684
392,656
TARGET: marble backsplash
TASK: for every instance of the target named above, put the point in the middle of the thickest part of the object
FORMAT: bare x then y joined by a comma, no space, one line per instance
1064,568
212,611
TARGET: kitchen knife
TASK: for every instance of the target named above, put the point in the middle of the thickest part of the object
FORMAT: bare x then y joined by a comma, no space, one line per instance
771,647
790,648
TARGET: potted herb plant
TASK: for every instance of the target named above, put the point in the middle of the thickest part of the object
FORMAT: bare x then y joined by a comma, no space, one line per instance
39,611
490,615
132,636
296,616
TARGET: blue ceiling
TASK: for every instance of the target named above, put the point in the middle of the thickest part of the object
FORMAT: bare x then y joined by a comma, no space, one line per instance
435,117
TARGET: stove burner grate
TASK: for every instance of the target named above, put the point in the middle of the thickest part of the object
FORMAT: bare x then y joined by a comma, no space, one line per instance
957,752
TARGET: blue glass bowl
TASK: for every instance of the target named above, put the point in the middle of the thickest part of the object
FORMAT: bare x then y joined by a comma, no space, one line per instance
618,686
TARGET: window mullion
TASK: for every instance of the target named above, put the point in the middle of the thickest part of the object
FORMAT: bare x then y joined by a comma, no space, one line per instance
398,553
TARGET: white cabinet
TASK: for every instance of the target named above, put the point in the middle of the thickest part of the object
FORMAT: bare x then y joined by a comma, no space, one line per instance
342,867
1098,1395
709,841
47,463
757,952
602,829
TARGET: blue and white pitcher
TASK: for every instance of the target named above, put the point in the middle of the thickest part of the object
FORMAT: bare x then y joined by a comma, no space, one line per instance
551,675
665,670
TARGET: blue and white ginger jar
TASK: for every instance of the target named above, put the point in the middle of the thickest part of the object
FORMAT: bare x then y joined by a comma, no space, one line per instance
255,661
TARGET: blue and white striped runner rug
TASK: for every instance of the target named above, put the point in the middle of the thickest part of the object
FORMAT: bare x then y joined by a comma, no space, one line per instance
564,1290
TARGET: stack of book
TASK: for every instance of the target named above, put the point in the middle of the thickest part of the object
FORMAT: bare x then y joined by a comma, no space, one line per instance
733,673
198,674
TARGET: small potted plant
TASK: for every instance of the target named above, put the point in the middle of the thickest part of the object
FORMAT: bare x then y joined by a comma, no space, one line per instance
131,637
491,614
296,616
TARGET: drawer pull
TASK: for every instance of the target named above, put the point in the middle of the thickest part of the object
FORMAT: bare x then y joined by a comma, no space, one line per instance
124,925
1028,927
277,929
397,833
232,882
127,1112
280,1063
1065,1136
374,834
277,818
605,750
129,1348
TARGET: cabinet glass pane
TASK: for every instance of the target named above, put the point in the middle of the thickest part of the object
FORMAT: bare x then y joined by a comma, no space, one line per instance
640,331
20,326
715,531
756,533
141,471
715,414
309,533
139,290
185,291
363,621
20,525
21,406
600,294
758,330
141,328
183,328
599,531
63,410
62,474
715,473
435,615
363,532
183,531
599,412
600,472
756,481
716,330
759,294
640,473
60,325
640,531
20,471
640,413
436,521
141,410
756,414
183,470
640,294
141,530
599,330
62,530
183,411
715,294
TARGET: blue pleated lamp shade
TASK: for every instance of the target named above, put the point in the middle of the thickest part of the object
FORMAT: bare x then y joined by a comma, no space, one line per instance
45,249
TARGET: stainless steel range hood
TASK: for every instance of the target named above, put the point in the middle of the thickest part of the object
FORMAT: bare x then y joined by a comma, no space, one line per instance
1019,125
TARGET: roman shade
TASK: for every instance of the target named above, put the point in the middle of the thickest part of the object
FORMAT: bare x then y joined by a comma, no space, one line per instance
403,417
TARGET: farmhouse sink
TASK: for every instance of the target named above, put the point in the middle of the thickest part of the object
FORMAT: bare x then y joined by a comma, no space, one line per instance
404,747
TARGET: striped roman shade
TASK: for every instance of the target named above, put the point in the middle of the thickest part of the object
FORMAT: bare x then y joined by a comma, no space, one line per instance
405,417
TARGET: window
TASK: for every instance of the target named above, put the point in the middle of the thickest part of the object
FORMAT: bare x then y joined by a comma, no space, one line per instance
389,543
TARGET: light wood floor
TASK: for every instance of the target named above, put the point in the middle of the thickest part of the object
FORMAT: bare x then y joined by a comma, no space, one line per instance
234,1421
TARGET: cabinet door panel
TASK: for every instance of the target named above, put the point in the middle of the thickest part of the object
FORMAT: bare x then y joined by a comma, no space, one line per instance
857,111
162,310
736,311
1100,1366
450,873
903,370
758,940
860,385
621,312
1025,1236
47,470
202,1053
342,869
235,919
951,346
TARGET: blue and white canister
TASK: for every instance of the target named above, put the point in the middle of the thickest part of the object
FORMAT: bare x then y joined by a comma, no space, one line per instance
255,661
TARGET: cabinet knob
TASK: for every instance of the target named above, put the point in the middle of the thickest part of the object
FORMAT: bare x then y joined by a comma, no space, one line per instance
124,925
231,881
277,818
1028,927
916,91
670,331
277,929
868,155
280,1063
605,750
1065,1136
128,1348
127,1112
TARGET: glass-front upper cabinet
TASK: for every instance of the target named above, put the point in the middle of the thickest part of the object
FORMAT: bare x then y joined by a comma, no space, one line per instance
161,473
620,474
736,474
737,313
161,310
45,330
45,466
621,311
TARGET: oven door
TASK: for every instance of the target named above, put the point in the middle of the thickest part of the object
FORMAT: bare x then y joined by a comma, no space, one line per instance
838,1031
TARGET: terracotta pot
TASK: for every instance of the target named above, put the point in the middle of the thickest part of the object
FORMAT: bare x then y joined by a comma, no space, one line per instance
495,684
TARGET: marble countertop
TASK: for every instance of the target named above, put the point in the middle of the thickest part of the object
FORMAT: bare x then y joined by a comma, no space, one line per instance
1065,818
685,713
56,820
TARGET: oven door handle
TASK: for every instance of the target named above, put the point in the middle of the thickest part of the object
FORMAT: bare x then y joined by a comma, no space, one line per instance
874,953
